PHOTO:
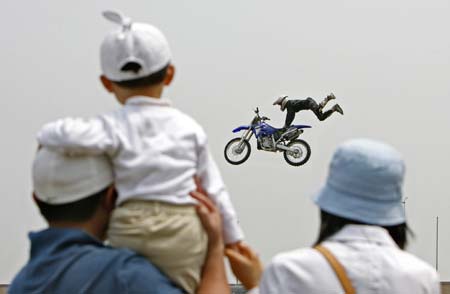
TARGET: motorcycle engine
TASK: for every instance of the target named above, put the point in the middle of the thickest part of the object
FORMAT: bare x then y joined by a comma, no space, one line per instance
266,142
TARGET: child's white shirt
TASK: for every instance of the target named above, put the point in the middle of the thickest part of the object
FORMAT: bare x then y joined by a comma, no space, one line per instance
156,151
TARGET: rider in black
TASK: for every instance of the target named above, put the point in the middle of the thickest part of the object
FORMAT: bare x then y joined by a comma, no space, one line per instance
294,106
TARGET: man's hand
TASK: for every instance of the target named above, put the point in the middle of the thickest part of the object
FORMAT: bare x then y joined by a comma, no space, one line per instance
209,216
214,279
233,246
246,265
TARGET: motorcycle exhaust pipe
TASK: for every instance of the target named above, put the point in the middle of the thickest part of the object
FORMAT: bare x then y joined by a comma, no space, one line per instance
282,147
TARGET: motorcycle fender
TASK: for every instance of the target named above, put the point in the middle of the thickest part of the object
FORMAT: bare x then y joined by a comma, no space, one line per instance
238,129
301,126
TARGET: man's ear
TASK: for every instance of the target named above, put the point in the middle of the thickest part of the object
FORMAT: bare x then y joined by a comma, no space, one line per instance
169,75
107,84
109,201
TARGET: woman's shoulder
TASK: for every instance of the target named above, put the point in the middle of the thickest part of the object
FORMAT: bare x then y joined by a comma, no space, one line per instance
413,265
298,271
299,260
306,254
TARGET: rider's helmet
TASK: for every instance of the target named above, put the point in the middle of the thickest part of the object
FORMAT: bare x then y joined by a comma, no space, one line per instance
282,100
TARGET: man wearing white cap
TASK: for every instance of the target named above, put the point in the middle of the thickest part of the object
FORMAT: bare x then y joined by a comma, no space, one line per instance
156,151
362,235
75,194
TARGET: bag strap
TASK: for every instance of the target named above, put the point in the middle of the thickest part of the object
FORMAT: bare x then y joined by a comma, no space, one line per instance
338,269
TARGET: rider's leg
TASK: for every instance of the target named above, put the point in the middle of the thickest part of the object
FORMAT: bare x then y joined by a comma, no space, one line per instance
314,107
326,100
324,115
338,108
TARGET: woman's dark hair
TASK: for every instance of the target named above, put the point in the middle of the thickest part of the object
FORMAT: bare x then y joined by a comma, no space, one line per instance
331,224
150,80
78,211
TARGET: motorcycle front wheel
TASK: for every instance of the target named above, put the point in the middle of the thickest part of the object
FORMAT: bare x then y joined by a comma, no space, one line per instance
300,155
236,152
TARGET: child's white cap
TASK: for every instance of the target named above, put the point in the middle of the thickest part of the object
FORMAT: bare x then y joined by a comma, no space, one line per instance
61,179
140,43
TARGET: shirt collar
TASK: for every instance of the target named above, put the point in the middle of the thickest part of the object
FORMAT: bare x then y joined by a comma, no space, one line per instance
364,233
147,100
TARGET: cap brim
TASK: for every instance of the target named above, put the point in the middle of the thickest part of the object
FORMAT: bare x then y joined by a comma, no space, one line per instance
358,208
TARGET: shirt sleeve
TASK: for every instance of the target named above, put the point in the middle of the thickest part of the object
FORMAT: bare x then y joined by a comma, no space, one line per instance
78,136
140,276
271,281
253,291
213,184
436,284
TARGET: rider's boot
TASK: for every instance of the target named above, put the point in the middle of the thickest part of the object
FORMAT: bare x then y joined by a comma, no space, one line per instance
326,100
337,108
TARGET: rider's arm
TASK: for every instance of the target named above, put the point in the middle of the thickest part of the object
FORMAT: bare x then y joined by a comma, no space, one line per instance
212,182
79,136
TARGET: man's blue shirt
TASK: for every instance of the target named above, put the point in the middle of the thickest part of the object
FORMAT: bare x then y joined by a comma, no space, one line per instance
71,261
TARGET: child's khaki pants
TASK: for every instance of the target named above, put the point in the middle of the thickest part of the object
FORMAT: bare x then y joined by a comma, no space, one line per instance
170,236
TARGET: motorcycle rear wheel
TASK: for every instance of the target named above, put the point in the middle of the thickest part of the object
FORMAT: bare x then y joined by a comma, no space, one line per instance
301,154
236,154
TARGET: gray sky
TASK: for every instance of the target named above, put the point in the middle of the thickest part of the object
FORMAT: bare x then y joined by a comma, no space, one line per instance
388,62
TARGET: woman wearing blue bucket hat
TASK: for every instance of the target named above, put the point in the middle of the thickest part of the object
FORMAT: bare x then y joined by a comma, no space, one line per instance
362,235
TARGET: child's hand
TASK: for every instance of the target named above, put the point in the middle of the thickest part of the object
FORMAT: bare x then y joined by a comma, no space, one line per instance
245,263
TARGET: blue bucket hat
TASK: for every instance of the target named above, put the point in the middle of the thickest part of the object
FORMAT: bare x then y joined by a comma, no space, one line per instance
365,183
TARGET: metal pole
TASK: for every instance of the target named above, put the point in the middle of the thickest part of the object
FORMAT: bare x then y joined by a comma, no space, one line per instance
437,243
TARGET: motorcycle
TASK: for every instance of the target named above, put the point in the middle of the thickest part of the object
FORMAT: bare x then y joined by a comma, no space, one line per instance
296,151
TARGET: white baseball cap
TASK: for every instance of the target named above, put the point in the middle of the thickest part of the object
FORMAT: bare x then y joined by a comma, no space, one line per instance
60,178
140,43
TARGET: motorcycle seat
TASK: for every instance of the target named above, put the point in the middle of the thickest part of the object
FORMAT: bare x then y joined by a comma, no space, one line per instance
300,126
294,126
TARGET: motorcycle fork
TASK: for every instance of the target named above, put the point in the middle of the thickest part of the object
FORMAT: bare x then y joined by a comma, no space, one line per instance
245,137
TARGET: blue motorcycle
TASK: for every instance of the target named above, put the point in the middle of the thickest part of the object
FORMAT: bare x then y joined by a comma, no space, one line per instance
296,151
